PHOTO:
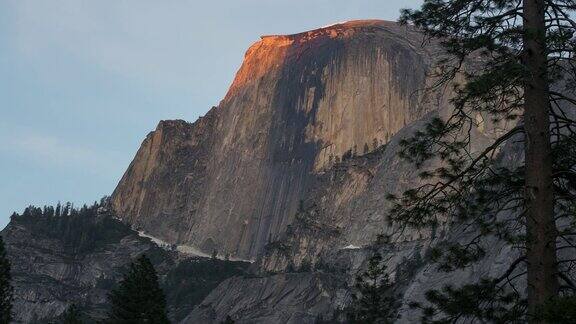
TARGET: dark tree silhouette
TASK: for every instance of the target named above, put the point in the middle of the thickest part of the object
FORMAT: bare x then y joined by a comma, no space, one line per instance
374,301
80,230
559,311
228,320
138,297
71,315
6,289
516,58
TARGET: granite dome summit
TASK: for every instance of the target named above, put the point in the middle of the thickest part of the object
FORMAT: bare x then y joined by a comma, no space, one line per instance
233,180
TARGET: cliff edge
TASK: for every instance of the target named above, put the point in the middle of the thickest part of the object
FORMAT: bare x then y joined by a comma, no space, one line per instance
233,181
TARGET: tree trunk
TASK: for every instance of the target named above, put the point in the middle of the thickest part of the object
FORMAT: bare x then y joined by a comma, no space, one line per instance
540,224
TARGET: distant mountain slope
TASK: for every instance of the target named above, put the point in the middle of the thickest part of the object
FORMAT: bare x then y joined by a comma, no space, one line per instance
57,261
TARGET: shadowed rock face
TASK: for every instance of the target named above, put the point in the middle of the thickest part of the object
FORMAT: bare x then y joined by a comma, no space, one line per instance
51,270
233,180
291,298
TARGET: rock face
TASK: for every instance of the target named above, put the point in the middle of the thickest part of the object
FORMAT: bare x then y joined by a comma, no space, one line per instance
284,298
49,274
233,180
289,171
332,235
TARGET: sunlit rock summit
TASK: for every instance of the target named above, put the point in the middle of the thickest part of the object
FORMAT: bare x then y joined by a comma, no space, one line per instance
233,180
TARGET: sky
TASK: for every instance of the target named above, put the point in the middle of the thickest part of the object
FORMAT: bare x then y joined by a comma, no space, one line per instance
83,82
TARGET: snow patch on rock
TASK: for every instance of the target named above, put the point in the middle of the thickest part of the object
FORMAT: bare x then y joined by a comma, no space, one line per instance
334,24
186,249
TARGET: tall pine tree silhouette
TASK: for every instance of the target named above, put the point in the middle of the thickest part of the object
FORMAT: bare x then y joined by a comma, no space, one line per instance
138,297
511,67
71,315
6,290
374,301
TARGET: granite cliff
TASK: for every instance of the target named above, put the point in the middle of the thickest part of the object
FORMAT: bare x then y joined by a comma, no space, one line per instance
289,172
233,180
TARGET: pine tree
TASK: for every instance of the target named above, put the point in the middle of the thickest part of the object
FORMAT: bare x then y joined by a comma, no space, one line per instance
6,290
374,301
71,315
138,297
516,58
559,311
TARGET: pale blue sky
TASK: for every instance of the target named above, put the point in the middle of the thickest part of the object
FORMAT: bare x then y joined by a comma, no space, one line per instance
83,82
